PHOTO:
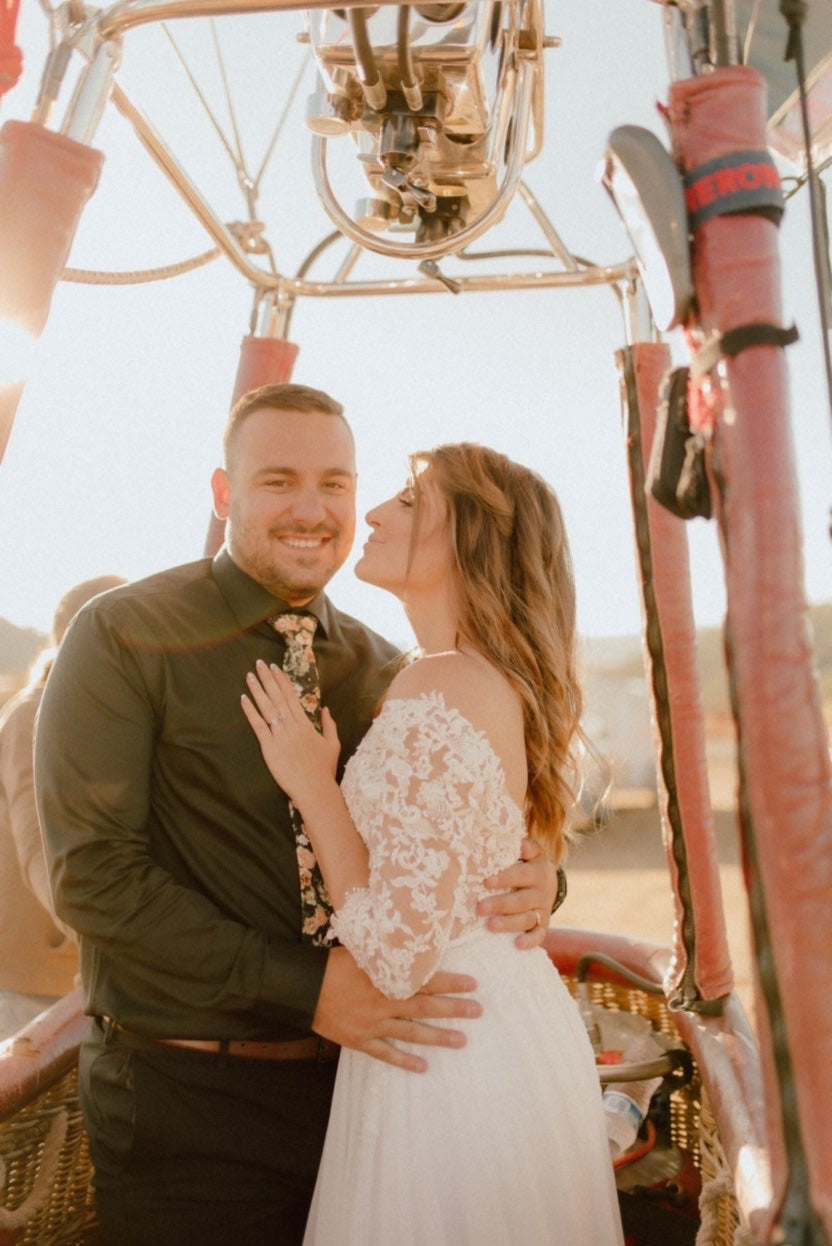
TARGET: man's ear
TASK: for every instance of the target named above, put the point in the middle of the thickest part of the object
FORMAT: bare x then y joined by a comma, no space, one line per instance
221,489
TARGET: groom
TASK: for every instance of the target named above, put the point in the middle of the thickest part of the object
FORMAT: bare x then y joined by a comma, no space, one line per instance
207,1077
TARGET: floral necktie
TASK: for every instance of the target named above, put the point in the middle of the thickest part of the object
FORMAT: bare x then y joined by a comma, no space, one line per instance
301,667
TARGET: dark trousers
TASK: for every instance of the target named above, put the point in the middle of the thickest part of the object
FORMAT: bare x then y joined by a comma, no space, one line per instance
194,1149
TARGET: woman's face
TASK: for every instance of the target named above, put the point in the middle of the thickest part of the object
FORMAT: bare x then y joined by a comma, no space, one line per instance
392,558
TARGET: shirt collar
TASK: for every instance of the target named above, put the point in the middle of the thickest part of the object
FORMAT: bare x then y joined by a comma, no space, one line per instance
251,603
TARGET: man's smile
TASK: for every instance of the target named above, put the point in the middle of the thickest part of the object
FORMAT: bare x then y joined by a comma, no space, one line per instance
303,542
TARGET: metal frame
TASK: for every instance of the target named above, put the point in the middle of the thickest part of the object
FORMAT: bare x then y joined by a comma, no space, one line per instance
97,36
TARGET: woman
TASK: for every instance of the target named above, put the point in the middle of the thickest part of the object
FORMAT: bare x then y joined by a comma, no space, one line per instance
505,1141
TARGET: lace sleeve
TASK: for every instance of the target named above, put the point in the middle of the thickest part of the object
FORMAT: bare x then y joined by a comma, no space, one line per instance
427,795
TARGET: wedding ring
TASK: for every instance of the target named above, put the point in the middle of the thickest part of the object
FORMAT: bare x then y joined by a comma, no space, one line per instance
536,922
272,721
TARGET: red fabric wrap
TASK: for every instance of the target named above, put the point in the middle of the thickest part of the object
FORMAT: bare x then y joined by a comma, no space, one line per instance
263,361
11,67
45,182
671,584
783,741
11,57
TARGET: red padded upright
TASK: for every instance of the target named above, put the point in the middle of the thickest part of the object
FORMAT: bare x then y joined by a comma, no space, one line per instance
45,182
263,361
786,796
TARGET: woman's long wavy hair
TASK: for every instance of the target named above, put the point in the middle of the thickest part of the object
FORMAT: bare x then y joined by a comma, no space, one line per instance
516,597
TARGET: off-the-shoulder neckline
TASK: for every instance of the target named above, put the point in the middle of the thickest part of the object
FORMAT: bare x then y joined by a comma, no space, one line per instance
452,710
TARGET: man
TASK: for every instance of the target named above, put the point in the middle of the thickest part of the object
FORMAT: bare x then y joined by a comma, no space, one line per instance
206,1082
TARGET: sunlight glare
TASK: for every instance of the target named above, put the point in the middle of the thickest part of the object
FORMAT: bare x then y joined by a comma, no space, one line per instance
17,352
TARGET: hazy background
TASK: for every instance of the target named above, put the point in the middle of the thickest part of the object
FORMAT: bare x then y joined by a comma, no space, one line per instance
107,469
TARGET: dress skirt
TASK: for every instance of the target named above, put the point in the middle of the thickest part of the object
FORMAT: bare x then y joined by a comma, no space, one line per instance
501,1143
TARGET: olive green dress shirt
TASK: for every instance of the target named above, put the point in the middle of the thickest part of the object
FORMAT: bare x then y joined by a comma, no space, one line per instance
171,847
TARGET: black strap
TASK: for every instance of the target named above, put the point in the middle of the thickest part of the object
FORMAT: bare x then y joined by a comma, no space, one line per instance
727,345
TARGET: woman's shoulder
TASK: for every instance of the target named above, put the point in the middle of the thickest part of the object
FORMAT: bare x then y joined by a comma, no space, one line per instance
465,686
467,683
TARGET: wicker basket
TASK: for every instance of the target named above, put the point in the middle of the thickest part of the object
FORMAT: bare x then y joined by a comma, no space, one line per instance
46,1194
45,1172
686,1102
720,1219
692,1124
45,1184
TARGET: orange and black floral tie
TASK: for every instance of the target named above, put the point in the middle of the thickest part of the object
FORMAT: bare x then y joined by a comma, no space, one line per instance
301,667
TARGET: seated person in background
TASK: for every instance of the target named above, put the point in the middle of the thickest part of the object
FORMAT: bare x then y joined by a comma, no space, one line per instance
38,957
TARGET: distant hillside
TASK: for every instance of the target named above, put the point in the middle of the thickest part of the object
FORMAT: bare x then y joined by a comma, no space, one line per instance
621,656
615,657
617,715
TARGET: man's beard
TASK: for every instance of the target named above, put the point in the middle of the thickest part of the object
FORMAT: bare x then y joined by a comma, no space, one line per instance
289,583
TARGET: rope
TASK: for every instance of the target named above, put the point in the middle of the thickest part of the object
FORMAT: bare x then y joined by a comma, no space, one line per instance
750,31
89,277
44,1180
794,12
238,160
200,96
281,121
229,101
713,1192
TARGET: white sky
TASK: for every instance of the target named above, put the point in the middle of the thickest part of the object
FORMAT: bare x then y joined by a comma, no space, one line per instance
119,429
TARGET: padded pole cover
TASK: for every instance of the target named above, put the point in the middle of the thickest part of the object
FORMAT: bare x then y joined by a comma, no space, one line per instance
786,797
700,970
45,182
263,361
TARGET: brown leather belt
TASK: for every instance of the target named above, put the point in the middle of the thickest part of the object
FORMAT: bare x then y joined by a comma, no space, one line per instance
313,1048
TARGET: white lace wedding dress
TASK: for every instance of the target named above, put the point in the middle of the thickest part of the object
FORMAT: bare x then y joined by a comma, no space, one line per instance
501,1143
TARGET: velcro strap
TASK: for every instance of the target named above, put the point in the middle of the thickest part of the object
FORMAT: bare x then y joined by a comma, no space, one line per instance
741,182
727,345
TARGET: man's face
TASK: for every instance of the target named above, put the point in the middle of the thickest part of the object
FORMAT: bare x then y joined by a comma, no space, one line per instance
288,493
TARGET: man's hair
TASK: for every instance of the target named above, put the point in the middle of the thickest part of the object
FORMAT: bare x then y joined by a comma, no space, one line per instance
282,396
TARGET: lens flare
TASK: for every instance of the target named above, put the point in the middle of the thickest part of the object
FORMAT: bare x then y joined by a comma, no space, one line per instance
17,352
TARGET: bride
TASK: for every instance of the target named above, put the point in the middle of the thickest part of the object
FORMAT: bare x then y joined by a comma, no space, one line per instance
504,1141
